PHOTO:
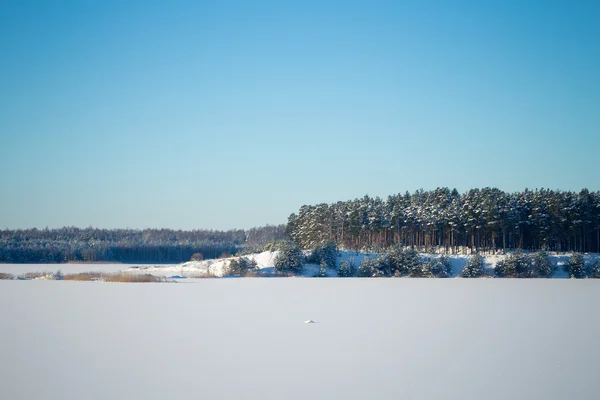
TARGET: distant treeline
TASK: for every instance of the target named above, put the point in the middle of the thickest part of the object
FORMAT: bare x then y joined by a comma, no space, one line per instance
71,244
480,219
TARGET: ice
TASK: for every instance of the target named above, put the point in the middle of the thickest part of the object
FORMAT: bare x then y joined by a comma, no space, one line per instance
242,339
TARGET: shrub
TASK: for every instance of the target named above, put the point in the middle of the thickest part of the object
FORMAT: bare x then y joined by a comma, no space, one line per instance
516,265
594,269
474,267
347,268
440,267
132,278
7,276
240,267
289,259
367,268
197,257
83,276
575,266
326,253
322,270
118,277
542,265
36,275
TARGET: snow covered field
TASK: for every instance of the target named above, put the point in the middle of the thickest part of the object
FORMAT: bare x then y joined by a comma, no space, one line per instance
246,339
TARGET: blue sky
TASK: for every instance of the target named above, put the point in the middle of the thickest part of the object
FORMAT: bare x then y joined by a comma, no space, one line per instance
234,114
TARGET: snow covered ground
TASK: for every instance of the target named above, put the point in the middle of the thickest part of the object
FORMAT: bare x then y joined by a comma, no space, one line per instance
266,260
455,339
18,269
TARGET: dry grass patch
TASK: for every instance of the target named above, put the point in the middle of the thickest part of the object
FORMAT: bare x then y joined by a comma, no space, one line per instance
84,276
132,278
36,275
7,276
118,277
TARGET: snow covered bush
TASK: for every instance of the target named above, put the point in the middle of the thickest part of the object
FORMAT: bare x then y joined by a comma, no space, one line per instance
594,269
474,267
289,258
516,265
347,268
240,267
367,268
440,267
326,253
410,262
575,267
542,265
322,270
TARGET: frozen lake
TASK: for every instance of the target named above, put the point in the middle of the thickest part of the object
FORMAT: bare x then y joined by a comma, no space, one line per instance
246,339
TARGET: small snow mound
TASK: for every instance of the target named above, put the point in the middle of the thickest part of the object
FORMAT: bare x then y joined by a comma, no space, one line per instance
310,321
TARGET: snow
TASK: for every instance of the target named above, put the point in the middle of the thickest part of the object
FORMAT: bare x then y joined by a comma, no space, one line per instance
455,339
17,269
266,261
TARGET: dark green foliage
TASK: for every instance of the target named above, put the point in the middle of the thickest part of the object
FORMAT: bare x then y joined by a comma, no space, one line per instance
484,219
575,266
326,253
594,269
71,244
440,267
542,266
398,262
347,268
240,267
516,265
289,259
474,267
322,270
410,263
368,268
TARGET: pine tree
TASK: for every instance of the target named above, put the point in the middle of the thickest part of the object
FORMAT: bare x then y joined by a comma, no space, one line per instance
240,267
594,269
322,270
542,266
347,268
289,259
474,267
440,267
516,265
367,268
575,266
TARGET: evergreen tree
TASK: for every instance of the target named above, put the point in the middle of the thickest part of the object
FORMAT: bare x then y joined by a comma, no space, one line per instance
474,267
594,270
289,259
440,267
411,262
240,267
326,253
516,265
575,266
542,266
367,268
322,270
347,268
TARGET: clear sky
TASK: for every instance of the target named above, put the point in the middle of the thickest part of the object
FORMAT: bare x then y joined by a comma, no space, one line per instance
234,114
